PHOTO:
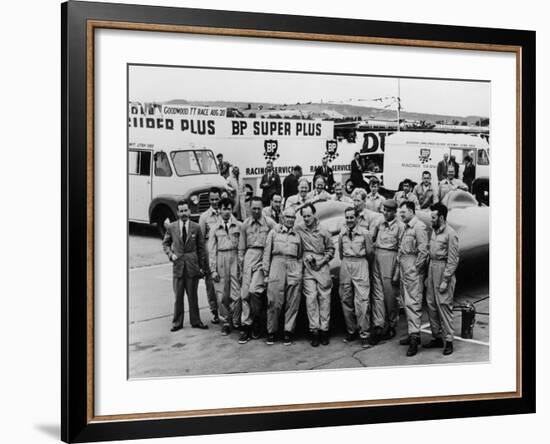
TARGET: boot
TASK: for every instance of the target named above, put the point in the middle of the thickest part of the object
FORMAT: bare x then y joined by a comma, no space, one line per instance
375,336
315,338
448,348
245,335
324,337
413,346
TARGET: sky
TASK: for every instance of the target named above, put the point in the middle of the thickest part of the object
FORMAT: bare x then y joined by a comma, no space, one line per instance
451,97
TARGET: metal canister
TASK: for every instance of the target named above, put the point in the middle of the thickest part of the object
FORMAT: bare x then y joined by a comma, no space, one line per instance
468,320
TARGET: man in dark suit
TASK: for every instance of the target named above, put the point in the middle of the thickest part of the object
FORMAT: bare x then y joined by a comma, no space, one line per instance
357,173
442,167
270,183
326,172
290,184
183,243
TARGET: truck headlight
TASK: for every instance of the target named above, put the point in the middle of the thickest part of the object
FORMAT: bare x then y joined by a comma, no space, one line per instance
194,199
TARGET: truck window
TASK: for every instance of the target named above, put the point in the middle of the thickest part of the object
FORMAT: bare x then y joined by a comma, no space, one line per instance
482,157
162,165
185,163
139,163
207,162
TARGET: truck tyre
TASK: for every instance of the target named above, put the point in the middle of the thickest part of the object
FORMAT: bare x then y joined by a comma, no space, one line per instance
160,216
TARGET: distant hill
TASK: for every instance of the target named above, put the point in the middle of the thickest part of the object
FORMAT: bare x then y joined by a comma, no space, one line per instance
318,109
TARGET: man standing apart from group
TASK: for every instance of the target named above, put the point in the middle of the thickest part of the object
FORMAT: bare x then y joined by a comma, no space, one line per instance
184,245
318,251
385,274
223,246
444,259
412,256
355,248
270,183
206,220
326,173
282,263
254,231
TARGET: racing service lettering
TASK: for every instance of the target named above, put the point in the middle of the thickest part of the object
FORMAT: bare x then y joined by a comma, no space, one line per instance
335,168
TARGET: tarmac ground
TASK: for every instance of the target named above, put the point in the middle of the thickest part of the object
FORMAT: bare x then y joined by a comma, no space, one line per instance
154,351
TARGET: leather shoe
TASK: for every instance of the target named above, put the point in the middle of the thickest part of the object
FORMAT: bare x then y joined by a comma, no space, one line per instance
201,326
215,319
448,348
390,334
350,337
324,337
434,343
176,328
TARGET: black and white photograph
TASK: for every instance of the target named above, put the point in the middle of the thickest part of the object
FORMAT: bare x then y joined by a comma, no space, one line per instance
297,221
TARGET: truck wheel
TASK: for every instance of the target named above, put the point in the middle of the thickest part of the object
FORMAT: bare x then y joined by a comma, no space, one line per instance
348,186
160,217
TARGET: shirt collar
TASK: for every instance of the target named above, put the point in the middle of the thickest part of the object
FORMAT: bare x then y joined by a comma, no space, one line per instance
232,221
391,223
441,229
214,212
412,222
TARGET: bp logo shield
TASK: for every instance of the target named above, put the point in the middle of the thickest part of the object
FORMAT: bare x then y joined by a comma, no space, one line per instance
332,147
270,149
424,155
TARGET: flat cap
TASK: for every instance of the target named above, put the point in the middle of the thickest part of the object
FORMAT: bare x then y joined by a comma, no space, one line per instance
390,204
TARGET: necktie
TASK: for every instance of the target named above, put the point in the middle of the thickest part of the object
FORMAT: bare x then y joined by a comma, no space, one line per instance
183,233
226,228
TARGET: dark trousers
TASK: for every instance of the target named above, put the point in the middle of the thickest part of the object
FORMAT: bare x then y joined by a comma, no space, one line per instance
186,285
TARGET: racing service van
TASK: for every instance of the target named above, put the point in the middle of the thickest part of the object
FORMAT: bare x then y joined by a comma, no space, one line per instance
408,154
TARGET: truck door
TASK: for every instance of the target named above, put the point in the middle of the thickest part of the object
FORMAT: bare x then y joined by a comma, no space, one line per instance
139,178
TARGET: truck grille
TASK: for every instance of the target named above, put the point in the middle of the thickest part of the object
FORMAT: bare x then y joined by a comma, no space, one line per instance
204,202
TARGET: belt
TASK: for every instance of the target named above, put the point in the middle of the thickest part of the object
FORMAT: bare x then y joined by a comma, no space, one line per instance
289,256
355,257
255,248
313,252
229,249
386,249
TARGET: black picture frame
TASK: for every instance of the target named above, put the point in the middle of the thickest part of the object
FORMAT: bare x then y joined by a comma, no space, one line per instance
77,424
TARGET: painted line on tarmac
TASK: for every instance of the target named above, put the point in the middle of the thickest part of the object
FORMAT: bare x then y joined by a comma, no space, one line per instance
148,267
424,328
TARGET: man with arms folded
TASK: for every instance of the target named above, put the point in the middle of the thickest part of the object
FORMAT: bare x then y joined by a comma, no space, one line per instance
451,183
206,219
424,191
184,245
412,257
282,263
385,274
318,251
355,248
254,231
224,263
339,194
441,280
374,200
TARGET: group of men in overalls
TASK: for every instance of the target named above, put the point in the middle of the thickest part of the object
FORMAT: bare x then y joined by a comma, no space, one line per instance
385,254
